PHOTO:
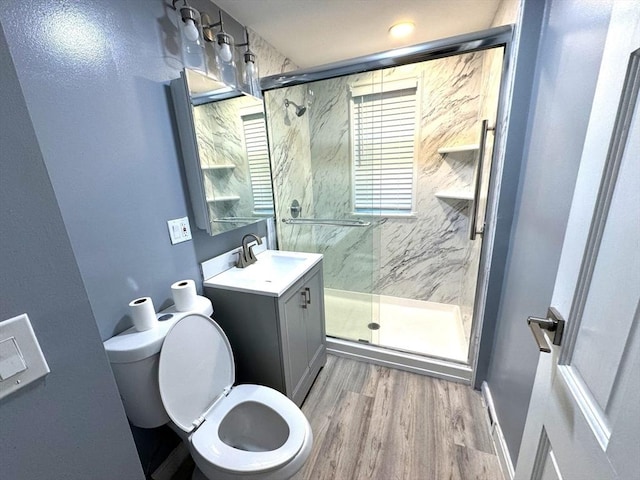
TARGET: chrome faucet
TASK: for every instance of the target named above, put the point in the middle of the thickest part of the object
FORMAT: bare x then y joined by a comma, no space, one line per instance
246,256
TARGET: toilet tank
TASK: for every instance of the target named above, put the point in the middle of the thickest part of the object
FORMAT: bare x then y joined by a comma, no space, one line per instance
134,358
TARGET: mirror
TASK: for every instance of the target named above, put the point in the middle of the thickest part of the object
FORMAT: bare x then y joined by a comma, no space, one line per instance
225,152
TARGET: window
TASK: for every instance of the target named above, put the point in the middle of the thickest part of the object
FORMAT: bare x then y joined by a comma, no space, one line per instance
255,140
383,120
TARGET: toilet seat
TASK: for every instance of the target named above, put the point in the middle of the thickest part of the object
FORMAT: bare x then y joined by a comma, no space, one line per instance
195,370
195,375
207,443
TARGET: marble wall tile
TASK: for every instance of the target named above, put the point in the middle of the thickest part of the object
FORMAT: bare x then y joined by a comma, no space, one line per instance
426,256
490,88
420,257
270,60
289,145
351,253
491,75
423,257
220,138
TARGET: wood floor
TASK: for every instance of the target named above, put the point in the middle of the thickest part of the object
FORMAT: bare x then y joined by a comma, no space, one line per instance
372,422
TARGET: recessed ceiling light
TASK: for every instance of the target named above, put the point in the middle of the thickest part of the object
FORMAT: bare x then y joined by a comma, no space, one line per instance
401,29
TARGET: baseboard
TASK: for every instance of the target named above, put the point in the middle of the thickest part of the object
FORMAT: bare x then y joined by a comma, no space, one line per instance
499,442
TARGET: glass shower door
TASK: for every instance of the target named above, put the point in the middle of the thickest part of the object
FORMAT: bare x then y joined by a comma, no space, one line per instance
381,171
313,203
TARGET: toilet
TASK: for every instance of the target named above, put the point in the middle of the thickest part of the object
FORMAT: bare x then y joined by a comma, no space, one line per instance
182,373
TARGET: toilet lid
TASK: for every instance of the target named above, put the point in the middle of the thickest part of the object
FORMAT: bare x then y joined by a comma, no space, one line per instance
196,367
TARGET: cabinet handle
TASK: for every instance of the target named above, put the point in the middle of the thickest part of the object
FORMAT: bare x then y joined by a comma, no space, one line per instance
307,292
304,299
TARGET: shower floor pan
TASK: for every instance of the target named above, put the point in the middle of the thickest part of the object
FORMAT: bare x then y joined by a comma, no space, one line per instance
415,326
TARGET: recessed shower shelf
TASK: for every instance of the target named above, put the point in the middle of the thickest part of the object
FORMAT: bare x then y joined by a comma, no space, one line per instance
458,149
229,166
455,194
228,198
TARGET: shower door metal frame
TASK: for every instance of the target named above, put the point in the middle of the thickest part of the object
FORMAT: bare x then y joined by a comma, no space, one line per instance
470,42
446,47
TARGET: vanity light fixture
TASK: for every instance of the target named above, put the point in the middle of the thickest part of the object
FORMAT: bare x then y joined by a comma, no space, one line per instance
191,44
401,29
250,77
223,47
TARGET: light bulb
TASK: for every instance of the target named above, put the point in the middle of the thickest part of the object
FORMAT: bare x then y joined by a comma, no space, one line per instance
190,30
225,52
250,69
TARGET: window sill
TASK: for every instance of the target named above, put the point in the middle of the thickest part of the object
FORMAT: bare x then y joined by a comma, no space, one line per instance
385,214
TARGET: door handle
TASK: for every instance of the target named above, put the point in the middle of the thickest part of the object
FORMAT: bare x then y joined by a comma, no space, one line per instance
554,323
307,295
477,188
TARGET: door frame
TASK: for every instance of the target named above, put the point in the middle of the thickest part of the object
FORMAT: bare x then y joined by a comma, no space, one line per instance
493,238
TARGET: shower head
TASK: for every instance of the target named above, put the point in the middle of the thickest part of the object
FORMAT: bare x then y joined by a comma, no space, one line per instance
299,109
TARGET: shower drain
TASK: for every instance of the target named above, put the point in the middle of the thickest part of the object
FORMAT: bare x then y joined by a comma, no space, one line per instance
373,326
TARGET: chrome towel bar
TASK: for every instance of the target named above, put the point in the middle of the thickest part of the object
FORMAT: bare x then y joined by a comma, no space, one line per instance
336,222
238,219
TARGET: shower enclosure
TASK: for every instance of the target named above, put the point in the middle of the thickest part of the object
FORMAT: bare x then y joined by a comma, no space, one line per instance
386,173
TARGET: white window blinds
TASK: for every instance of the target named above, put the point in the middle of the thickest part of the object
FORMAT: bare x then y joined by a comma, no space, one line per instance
383,140
255,138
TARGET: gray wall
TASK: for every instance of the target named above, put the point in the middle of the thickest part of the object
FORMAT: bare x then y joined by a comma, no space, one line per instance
94,76
568,59
95,79
71,424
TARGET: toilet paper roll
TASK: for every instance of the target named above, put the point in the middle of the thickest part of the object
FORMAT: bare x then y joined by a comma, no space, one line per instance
184,295
143,314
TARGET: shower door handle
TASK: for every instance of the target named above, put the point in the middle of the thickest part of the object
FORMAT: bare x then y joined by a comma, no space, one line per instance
473,214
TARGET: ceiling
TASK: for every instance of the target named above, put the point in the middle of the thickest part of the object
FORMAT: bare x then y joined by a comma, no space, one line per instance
315,32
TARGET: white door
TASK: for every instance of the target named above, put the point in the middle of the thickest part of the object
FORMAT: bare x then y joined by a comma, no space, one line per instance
584,416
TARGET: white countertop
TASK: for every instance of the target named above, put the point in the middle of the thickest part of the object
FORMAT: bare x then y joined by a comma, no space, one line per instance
273,274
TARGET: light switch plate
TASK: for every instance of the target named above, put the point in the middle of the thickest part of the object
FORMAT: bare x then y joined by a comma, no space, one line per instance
179,230
21,359
11,359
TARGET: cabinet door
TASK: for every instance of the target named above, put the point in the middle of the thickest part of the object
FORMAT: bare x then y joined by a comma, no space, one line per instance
315,315
295,344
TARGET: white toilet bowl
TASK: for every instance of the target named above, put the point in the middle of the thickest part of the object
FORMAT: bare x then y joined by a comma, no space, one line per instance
254,433
242,432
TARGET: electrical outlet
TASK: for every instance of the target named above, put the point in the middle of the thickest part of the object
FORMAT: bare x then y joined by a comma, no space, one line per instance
179,230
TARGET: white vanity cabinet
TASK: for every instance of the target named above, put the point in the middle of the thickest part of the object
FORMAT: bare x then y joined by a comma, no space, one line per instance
278,340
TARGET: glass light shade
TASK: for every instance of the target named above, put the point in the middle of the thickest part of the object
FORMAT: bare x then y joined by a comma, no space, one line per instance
250,75
191,42
223,50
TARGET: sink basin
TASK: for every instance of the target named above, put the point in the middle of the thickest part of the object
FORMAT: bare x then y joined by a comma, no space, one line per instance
273,273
